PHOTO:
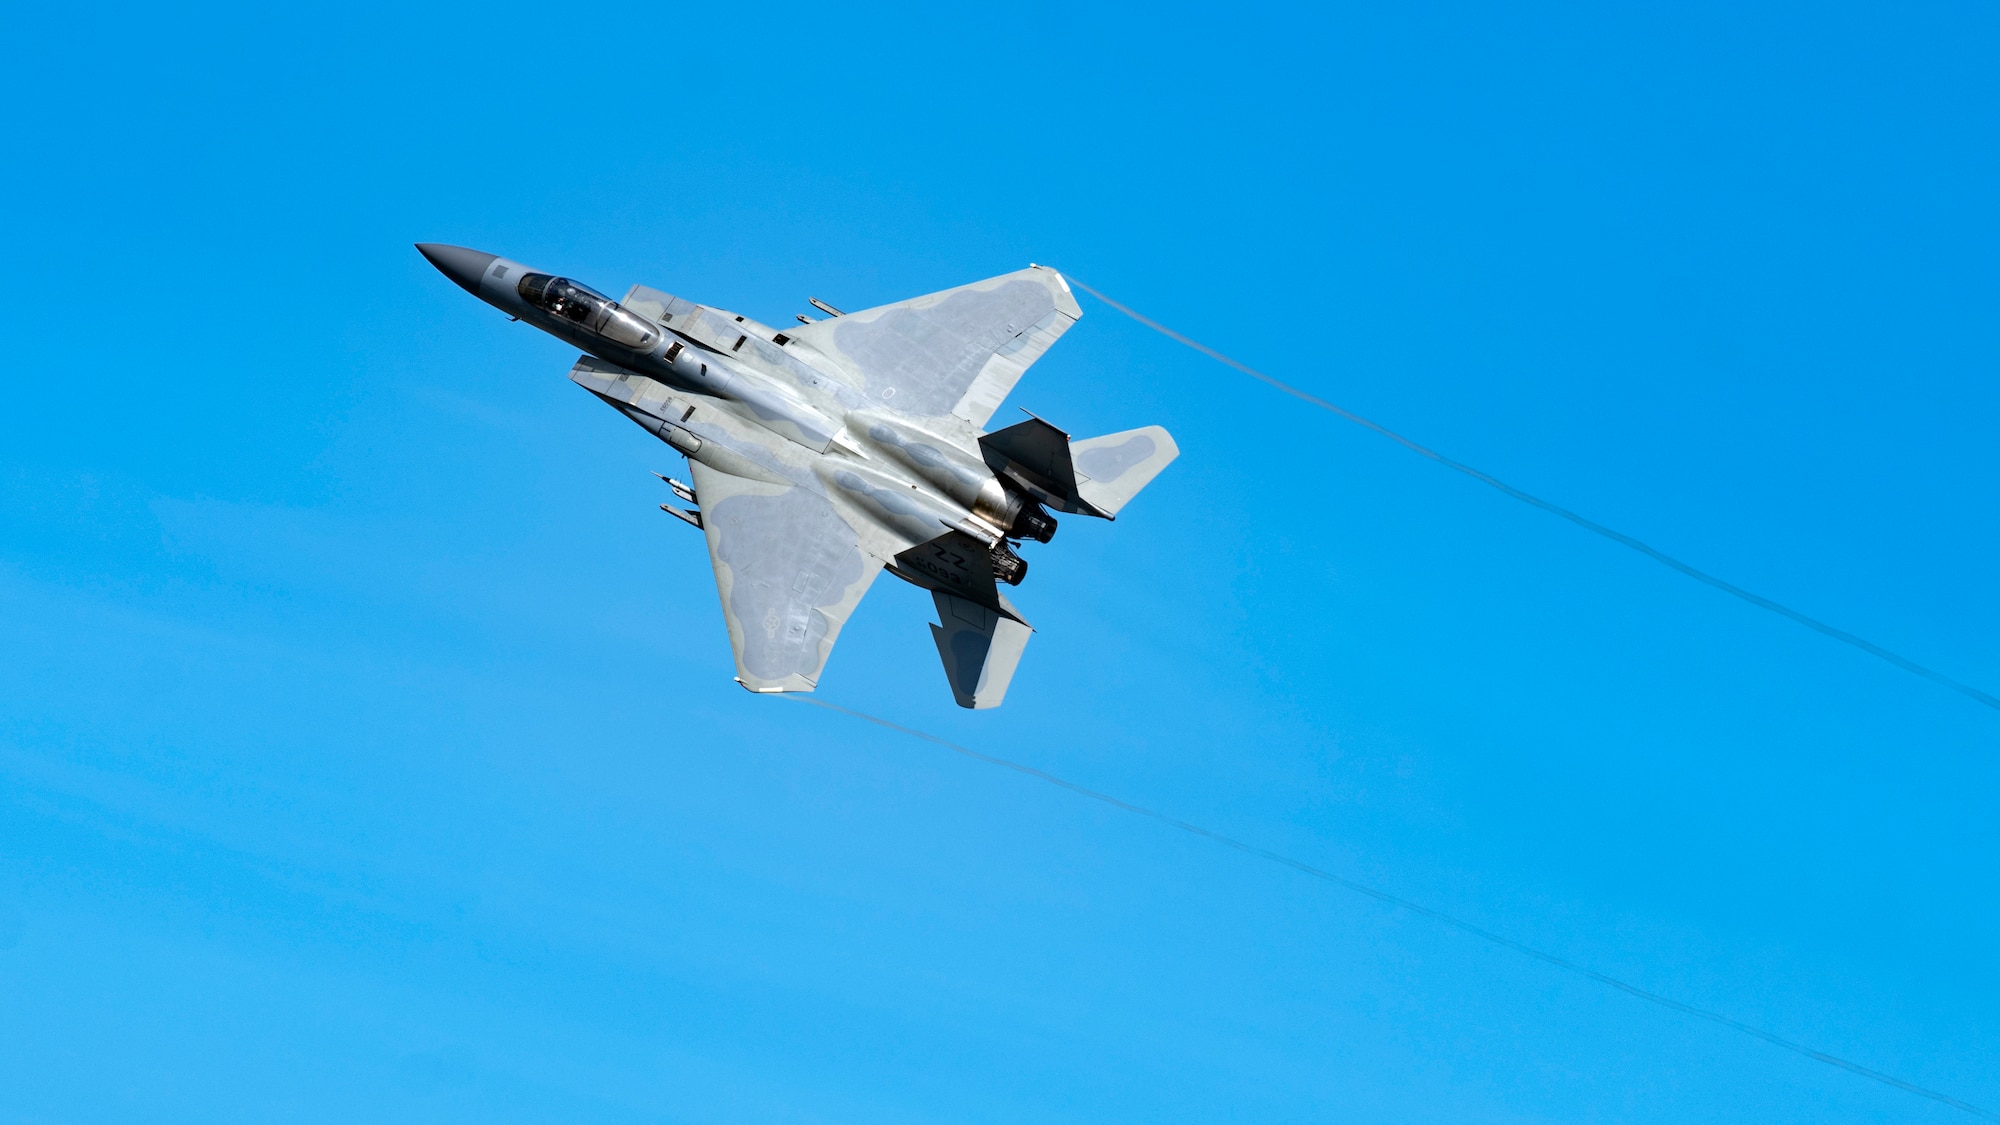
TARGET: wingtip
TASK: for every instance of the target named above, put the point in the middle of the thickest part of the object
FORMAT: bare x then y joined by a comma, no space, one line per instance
1061,278
794,684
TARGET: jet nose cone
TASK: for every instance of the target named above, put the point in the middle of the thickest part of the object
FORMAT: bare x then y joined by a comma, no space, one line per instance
463,266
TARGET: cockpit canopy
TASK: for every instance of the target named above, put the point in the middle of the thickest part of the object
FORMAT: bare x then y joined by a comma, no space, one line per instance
589,309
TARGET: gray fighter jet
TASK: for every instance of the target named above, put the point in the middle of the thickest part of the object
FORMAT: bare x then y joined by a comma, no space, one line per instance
827,453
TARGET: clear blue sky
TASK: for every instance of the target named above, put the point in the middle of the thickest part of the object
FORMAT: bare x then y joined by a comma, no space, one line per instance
368,749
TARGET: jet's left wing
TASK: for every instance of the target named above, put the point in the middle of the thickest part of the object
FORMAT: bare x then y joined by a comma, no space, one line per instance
956,352
790,572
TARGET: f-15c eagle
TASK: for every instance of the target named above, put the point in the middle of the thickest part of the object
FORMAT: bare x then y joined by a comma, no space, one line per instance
825,454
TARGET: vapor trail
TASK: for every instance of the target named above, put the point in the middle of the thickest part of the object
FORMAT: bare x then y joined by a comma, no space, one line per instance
1418,908
1619,537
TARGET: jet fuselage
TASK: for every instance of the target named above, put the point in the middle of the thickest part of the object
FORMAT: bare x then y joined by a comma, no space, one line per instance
773,410
826,455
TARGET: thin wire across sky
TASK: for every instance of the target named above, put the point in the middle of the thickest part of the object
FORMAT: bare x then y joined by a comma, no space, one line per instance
1460,924
1434,915
1618,537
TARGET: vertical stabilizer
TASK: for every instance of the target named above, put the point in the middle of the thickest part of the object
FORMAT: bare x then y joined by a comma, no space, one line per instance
980,649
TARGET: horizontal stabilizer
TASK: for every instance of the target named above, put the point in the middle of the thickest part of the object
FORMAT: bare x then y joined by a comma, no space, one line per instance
1094,477
1110,470
980,649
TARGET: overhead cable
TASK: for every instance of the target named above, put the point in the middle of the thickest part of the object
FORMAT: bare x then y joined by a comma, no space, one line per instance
1619,537
1460,924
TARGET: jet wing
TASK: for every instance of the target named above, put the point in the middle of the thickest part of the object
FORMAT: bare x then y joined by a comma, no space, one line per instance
956,352
790,572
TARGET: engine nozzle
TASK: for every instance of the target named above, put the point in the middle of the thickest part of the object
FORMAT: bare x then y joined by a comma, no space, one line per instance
1008,567
1033,523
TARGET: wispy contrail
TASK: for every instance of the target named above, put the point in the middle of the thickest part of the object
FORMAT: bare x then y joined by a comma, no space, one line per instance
1619,537
1460,924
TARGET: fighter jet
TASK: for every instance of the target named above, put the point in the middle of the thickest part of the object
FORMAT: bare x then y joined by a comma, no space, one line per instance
825,454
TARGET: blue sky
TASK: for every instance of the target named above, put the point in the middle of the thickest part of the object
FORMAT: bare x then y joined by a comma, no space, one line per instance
368,748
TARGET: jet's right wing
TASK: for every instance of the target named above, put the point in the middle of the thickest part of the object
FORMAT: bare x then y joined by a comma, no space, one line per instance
959,351
790,572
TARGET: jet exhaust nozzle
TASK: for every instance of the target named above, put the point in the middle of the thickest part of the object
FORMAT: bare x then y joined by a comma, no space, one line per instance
1033,523
1008,567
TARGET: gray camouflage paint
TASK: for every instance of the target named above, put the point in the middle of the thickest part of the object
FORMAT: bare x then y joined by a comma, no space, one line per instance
820,454
787,559
980,650
920,360
1108,462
